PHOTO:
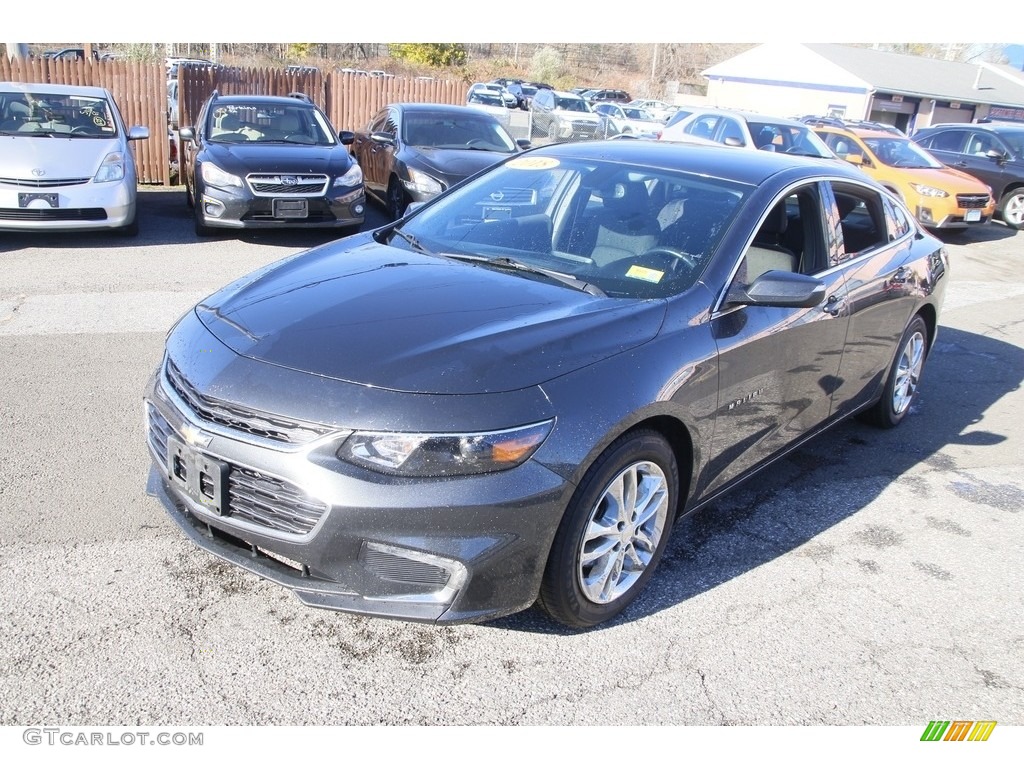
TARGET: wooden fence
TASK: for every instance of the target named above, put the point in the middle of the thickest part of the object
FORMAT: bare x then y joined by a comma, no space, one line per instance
139,89
348,99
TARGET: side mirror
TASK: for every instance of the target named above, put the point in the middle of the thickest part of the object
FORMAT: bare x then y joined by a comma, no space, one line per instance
777,288
732,141
383,138
346,137
187,134
995,154
524,143
138,132
856,159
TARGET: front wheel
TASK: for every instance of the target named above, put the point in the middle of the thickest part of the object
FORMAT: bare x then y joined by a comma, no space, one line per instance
1011,208
904,377
613,533
396,200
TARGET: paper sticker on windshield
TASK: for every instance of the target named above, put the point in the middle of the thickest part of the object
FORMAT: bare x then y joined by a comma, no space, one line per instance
644,273
533,163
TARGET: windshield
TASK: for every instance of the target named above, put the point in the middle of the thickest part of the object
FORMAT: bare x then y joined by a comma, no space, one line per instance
444,130
487,98
571,105
56,114
1015,138
255,123
630,231
792,139
901,153
637,114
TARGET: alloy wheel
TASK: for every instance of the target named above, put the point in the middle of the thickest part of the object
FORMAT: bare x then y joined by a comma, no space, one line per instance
908,372
623,532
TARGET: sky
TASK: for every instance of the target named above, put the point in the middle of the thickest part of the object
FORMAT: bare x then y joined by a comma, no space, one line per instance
464,21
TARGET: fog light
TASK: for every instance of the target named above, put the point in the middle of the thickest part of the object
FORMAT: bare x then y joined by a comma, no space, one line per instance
924,215
358,208
213,207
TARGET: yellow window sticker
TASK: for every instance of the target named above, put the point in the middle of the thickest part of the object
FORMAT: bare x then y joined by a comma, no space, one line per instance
533,163
645,273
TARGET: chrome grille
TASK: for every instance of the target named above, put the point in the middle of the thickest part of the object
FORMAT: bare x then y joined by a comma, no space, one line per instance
271,502
43,183
236,417
972,201
287,185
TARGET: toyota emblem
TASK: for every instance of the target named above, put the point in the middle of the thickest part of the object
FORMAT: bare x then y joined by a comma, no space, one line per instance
37,172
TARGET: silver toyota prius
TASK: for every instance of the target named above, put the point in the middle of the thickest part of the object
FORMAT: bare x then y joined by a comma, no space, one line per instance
509,396
65,160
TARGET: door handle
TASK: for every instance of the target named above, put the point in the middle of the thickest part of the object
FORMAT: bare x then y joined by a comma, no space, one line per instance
834,305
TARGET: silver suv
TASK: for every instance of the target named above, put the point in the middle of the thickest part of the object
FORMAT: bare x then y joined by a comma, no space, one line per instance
563,116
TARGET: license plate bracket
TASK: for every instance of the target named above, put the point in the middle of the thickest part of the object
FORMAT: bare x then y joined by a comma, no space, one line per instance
290,209
202,478
25,198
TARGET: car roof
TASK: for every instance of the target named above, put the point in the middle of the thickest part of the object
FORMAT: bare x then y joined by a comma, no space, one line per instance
994,127
714,160
750,117
56,88
261,99
411,106
863,133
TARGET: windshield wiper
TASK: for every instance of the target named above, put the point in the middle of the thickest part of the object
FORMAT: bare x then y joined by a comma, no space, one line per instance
504,262
411,240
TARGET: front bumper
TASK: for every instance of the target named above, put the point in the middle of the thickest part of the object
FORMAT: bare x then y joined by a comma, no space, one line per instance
237,208
448,550
79,207
938,214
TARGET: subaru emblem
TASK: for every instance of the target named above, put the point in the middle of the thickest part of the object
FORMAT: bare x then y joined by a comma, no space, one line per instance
289,181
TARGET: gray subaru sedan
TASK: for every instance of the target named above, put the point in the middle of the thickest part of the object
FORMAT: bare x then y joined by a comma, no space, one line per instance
509,396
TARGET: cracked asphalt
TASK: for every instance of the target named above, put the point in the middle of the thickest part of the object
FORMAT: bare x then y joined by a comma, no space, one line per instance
871,578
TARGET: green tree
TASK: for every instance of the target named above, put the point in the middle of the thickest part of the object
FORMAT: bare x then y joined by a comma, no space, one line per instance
431,54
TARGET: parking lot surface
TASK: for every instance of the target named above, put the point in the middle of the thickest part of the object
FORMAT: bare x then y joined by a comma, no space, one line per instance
872,577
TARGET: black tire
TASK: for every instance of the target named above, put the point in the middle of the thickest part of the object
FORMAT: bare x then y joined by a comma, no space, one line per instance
397,200
903,379
131,229
1011,208
641,459
190,199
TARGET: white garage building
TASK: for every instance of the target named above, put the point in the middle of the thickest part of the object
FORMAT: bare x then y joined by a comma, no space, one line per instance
910,92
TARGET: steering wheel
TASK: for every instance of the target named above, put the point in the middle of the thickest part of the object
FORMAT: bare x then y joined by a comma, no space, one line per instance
672,253
80,129
478,143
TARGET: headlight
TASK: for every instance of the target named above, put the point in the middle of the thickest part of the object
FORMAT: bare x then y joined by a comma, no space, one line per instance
422,183
218,178
111,169
352,177
434,455
924,189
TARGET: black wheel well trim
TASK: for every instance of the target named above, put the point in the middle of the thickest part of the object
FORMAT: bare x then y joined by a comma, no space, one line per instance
928,314
675,431
1011,187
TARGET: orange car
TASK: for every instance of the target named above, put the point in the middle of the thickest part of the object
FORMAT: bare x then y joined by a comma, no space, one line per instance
939,196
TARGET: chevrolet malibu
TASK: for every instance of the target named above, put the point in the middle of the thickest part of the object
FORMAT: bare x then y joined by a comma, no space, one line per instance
511,394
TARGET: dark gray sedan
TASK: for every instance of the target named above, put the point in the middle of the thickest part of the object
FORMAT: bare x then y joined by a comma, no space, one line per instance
410,153
510,395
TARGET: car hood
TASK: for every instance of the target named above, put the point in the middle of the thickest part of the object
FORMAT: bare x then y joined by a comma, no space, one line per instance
23,157
950,179
453,164
279,158
371,314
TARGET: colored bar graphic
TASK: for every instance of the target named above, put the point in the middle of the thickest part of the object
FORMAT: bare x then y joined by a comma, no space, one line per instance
982,730
958,730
